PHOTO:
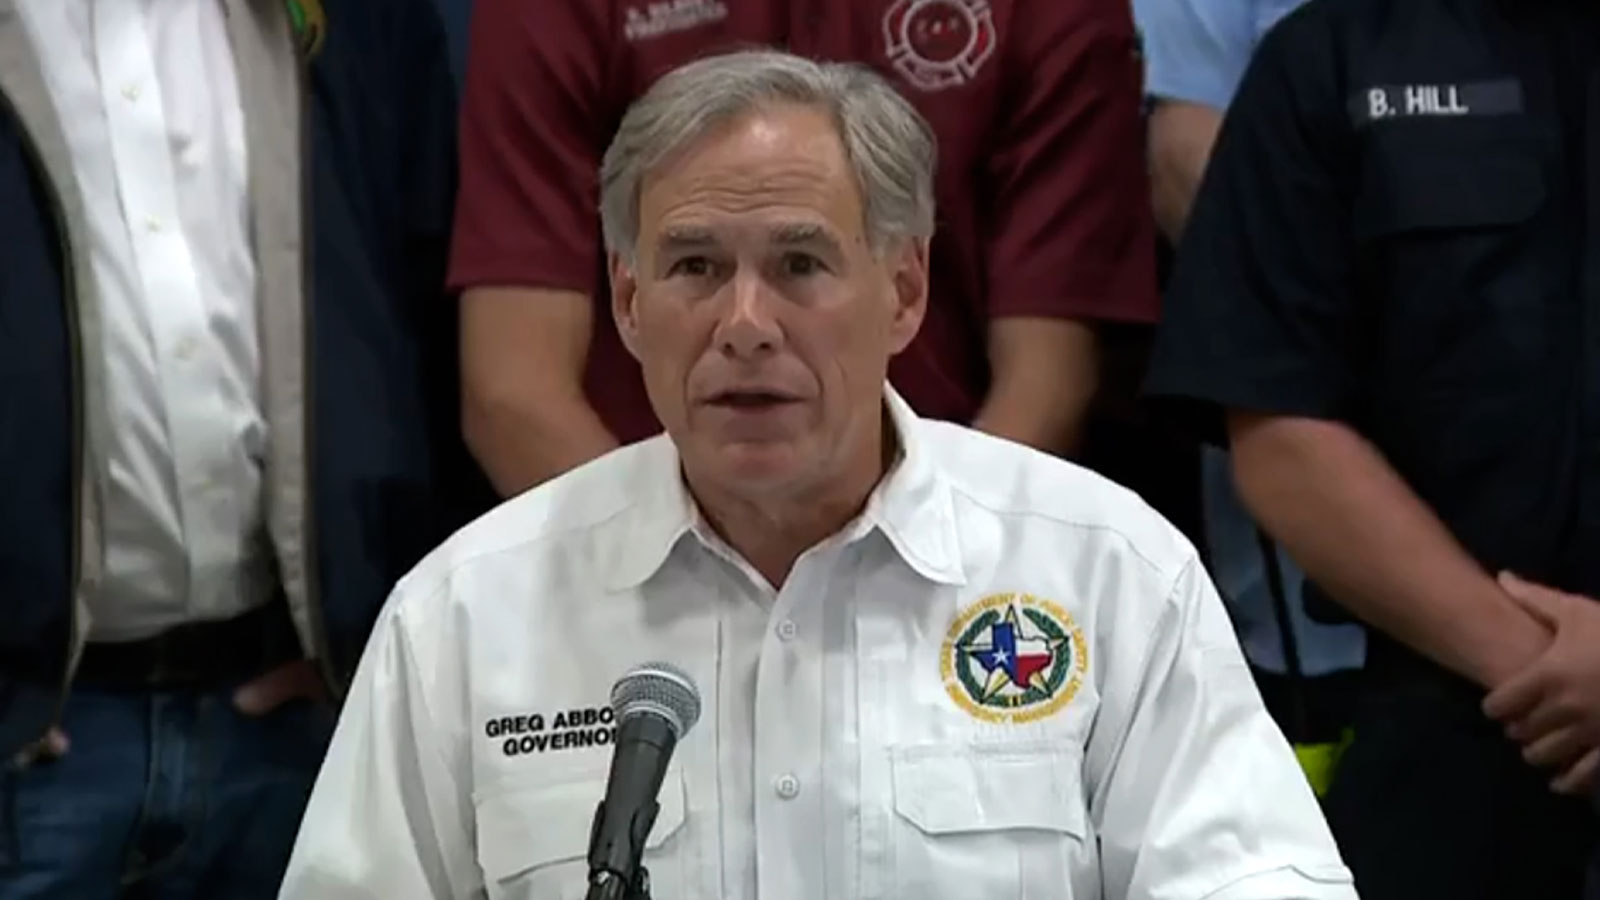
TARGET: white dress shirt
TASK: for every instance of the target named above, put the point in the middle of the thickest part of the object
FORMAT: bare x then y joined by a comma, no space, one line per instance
148,96
1007,679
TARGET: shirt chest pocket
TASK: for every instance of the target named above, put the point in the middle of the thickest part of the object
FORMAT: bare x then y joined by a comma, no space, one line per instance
1450,237
533,842
1001,823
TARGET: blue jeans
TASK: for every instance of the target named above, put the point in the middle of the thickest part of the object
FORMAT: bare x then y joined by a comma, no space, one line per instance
161,796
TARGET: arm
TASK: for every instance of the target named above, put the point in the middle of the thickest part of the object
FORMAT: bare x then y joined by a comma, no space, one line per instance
1070,240
534,123
1044,373
1360,532
1195,52
523,410
388,816
1181,135
1195,792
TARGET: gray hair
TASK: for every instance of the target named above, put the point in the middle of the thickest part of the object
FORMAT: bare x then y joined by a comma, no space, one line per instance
889,146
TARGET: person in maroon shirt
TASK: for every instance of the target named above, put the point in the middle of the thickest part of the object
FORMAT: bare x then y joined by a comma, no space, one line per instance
1043,225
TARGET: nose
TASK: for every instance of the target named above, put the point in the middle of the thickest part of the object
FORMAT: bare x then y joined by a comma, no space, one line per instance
748,328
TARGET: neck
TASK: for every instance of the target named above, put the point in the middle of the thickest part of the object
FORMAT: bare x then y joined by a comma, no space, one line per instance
771,532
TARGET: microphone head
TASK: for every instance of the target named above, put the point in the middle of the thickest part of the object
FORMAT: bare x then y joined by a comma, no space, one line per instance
661,689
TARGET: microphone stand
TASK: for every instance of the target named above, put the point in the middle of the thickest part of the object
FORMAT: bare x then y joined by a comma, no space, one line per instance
605,881
606,886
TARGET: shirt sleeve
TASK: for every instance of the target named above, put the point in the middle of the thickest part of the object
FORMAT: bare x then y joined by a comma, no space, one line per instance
1202,796
534,125
1261,313
1071,233
388,816
1195,50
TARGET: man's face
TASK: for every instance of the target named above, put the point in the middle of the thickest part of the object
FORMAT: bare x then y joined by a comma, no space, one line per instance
762,317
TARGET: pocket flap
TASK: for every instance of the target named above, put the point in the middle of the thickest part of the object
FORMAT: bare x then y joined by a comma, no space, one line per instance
523,828
944,790
1409,190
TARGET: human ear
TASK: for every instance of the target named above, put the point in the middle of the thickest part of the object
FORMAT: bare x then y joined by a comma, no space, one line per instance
624,301
908,262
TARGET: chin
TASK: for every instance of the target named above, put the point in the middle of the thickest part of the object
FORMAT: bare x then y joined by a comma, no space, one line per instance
755,467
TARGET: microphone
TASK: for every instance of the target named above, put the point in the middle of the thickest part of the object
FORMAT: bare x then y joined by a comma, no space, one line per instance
655,705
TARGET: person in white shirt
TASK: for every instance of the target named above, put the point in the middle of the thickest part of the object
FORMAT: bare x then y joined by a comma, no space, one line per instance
934,664
223,226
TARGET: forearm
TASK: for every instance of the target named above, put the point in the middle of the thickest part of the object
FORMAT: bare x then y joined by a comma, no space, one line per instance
524,414
1361,533
1173,186
526,441
1044,373
1181,138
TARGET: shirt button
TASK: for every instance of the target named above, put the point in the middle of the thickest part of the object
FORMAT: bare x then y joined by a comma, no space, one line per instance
152,225
186,348
787,630
787,787
131,92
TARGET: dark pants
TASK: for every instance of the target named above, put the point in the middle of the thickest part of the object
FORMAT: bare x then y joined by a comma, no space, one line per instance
1313,709
1432,802
165,796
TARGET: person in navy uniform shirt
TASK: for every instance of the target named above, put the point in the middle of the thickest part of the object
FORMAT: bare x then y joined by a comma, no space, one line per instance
1390,286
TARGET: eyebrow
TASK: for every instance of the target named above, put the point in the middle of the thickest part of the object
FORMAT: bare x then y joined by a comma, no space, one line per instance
681,238
686,238
805,233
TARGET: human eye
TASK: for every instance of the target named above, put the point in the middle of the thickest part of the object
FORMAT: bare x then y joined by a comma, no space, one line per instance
690,267
801,265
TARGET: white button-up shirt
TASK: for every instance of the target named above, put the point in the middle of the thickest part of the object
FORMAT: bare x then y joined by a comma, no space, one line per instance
1008,678
147,95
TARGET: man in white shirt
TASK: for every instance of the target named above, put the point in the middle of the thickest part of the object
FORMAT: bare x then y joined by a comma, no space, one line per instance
208,431
934,664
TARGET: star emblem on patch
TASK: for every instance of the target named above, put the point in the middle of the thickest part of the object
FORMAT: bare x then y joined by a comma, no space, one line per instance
1015,654
1013,658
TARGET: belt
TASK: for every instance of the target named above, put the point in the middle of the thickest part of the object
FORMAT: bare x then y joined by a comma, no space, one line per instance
195,656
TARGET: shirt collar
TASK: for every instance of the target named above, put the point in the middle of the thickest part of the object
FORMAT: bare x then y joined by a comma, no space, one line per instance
912,506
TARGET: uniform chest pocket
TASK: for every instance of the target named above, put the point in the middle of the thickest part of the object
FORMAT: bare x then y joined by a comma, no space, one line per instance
533,842
997,822
1418,189
1455,260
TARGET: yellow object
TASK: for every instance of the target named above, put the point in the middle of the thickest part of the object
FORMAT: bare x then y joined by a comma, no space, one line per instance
1321,761
310,25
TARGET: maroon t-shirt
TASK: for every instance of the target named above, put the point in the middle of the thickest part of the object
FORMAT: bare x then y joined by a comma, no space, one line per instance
1043,207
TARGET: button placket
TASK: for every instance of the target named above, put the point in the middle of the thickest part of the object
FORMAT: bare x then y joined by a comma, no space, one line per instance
788,744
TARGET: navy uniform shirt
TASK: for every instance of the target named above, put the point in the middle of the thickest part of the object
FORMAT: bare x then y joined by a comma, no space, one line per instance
1397,231
1392,235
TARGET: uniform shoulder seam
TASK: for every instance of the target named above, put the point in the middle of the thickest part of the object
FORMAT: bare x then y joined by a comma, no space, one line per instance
1127,541
440,582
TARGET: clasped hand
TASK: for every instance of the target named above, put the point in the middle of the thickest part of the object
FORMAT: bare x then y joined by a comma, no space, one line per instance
1552,707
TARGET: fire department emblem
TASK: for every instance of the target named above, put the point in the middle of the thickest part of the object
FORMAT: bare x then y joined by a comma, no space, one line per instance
1013,658
938,44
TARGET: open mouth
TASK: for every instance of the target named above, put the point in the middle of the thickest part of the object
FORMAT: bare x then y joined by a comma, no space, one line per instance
751,399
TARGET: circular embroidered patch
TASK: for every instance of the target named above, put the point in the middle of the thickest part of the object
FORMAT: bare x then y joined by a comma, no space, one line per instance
1013,658
938,44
